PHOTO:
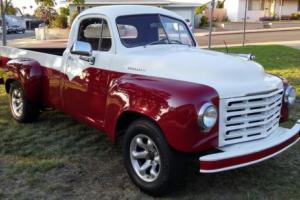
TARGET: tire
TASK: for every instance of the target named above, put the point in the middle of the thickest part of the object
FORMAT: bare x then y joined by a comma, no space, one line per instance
21,108
169,168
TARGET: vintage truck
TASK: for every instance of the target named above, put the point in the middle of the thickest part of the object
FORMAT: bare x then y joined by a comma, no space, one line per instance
138,72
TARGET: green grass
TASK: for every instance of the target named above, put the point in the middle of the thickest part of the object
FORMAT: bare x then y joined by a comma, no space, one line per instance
59,158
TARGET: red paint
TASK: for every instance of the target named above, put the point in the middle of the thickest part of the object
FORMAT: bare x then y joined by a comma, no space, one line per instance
98,97
29,73
230,162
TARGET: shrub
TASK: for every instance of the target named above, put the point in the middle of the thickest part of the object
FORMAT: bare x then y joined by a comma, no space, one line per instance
64,11
263,19
295,16
204,21
61,21
285,17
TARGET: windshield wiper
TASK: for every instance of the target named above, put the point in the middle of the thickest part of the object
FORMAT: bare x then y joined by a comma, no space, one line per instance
177,42
156,42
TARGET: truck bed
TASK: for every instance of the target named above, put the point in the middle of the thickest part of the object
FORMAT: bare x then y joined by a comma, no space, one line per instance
53,51
47,57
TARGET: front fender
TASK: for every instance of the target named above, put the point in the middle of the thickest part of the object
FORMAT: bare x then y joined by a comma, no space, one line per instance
172,104
28,73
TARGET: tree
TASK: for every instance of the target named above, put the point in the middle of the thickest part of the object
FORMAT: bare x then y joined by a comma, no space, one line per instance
45,10
78,3
64,11
220,4
200,9
9,9
47,14
47,3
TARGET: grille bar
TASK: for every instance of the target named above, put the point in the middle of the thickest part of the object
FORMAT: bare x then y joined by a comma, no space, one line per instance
250,117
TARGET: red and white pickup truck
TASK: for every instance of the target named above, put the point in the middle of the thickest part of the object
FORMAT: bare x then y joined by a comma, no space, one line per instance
137,71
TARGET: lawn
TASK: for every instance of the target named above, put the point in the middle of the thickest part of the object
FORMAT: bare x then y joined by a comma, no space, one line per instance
59,158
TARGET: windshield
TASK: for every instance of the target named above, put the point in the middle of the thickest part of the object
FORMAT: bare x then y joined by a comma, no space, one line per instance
142,30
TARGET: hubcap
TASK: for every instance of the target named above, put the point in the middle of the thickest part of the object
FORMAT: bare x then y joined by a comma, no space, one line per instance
17,102
145,158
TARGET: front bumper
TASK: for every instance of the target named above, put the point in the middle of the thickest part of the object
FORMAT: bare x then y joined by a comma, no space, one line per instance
248,153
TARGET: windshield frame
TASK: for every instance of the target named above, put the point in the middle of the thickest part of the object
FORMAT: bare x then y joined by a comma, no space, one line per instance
194,44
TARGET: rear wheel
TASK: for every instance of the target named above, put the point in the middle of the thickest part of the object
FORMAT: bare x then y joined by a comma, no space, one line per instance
21,108
151,164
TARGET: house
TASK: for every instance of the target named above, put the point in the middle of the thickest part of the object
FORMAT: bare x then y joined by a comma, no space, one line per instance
184,8
260,8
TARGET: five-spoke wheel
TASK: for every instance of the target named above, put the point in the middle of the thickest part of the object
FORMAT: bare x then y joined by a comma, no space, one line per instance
145,157
22,109
150,162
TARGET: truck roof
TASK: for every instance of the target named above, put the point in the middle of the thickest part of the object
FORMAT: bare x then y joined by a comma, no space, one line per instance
120,10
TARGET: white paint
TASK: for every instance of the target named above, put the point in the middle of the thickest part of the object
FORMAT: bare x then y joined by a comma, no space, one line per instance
243,149
230,76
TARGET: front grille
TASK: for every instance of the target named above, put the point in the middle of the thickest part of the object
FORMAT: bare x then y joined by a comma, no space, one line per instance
250,117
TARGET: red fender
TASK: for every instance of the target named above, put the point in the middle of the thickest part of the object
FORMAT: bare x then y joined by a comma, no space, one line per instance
172,104
29,73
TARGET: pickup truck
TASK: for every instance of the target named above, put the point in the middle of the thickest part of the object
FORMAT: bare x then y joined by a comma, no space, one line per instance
138,72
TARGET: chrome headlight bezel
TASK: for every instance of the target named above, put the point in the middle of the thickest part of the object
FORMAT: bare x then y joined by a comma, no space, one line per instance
290,95
207,116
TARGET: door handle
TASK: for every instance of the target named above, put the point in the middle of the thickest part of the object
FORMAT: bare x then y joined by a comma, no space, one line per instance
90,60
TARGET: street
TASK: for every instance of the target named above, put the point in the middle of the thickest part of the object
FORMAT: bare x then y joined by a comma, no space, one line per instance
259,37
28,34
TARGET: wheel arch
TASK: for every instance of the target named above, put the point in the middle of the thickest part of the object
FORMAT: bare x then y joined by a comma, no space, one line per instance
28,73
128,117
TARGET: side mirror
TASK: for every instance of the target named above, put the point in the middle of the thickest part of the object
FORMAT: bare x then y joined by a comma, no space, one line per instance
82,48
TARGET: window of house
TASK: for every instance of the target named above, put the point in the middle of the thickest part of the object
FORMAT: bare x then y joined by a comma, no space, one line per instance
256,5
96,32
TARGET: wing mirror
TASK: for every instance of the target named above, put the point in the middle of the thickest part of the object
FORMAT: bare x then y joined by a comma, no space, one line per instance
84,49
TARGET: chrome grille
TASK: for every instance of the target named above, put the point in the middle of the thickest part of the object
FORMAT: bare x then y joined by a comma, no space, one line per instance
250,117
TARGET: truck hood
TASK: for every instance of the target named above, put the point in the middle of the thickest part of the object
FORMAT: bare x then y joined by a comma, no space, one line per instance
230,76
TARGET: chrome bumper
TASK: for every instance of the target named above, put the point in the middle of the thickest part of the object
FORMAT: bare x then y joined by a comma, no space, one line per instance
248,153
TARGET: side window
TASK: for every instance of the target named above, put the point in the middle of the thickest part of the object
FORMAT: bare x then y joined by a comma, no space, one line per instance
96,32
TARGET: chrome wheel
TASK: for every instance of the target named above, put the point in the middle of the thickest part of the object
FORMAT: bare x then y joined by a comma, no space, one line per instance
17,102
145,158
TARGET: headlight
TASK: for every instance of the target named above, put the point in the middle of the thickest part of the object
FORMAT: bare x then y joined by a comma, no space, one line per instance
207,116
290,95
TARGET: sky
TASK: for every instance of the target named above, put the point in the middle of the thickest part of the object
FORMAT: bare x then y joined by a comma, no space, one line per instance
28,6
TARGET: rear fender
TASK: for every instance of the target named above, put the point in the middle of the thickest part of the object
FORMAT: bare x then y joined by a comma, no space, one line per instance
28,73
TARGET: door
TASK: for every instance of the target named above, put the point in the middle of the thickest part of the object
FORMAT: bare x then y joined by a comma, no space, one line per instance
85,85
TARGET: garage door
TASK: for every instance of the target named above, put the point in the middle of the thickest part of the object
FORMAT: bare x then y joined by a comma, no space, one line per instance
185,13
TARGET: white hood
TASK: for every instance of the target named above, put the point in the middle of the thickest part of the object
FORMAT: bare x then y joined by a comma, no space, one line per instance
230,76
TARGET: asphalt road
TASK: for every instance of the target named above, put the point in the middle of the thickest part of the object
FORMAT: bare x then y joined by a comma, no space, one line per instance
260,37
27,34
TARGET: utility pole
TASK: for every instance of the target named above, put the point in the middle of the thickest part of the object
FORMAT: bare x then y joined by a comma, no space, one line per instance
245,22
211,22
3,23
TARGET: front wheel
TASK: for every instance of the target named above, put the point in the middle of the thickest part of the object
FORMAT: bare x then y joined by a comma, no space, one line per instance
151,164
21,108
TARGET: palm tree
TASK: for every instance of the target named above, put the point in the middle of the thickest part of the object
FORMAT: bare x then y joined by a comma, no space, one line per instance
78,3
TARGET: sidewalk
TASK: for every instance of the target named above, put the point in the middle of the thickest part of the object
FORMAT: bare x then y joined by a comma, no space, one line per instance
294,44
206,32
